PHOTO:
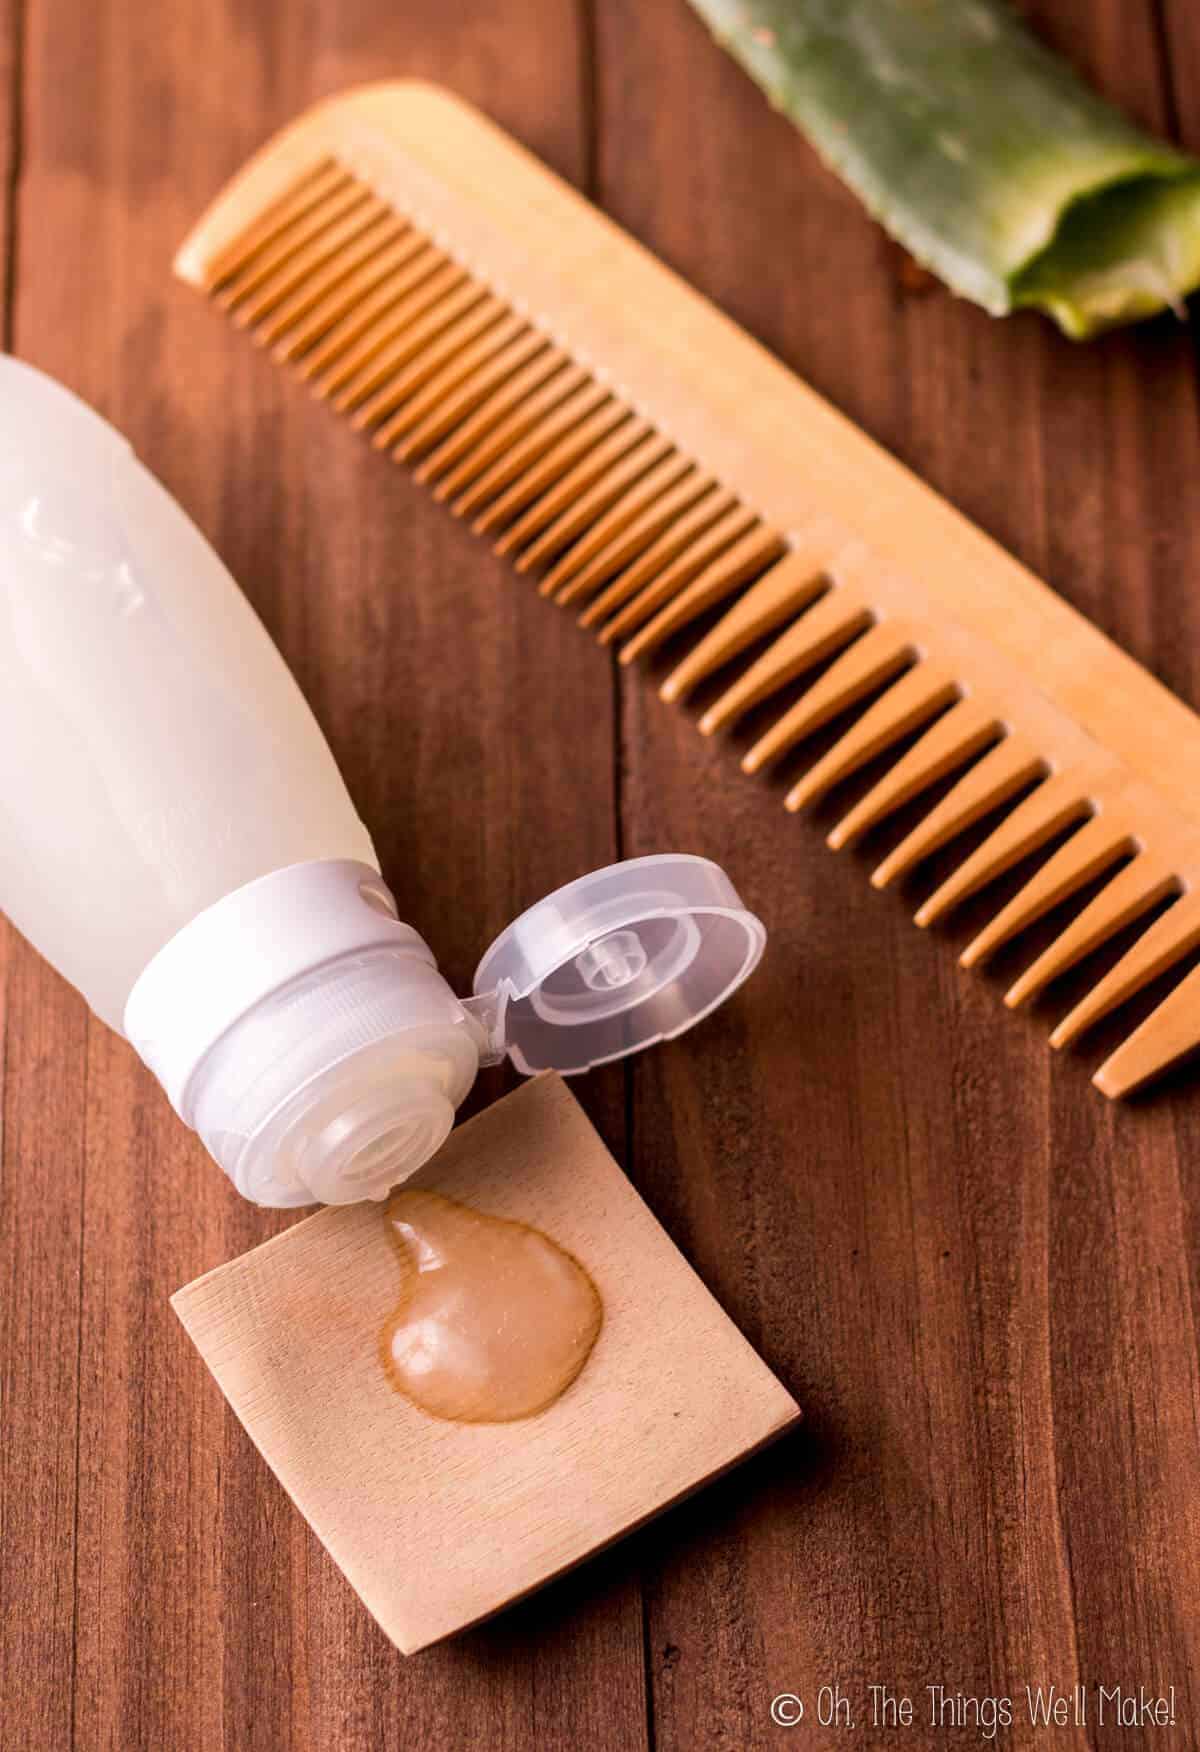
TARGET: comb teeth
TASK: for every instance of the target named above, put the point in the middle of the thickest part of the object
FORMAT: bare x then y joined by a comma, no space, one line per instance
780,593
547,452
835,620
673,544
879,653
311,236
1001,774
715,539
516,413
1090,851
317,295
1057,802
446,400
723,575
584,492
966,730
271,304
477,334
379,376
624,520
627,529
908,703
344,340
1130,893
1172,936
1171,1033
286,214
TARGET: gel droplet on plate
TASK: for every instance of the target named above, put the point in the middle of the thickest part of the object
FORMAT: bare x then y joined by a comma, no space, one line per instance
495,1319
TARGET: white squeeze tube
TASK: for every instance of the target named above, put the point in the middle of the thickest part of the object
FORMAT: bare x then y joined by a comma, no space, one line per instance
176,839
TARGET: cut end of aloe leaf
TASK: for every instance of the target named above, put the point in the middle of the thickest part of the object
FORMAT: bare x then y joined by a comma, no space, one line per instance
1118,256
981,151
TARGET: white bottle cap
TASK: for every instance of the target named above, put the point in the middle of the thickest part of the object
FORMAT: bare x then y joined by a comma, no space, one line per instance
306,1034
625,957
297,1024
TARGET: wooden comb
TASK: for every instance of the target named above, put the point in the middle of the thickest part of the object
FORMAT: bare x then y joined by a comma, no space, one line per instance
615,435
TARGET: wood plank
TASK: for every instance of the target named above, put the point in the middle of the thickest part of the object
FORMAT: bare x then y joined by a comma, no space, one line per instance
974,1275
42,1046
165,1592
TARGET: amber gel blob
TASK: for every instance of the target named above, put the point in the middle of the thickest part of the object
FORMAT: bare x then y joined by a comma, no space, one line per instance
495,1319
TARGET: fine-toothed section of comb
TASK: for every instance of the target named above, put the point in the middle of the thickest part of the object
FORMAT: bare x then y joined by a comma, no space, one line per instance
627,528
579,505
708,547
565,475
714,504
380,359
746,560
431,282
445,403
509,438
320,298
323,181
463,361
506,416
340,349
553,488
550,451
270,305
581,485
384,277
628,532
326,225
482,318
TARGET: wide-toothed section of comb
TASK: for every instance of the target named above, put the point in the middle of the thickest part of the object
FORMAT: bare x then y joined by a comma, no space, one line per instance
577,485
1042,788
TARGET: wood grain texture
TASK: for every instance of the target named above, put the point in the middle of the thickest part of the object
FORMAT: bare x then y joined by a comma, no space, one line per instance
979,1279
436,1523
160,1591
1113,756
979,1284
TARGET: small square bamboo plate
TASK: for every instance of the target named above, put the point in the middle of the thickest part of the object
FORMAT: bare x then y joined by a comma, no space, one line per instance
437,1525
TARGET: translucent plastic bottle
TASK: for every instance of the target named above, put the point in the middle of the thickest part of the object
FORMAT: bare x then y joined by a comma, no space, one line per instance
176,839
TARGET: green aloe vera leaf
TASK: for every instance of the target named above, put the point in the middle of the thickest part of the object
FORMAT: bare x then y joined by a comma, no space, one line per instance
981,151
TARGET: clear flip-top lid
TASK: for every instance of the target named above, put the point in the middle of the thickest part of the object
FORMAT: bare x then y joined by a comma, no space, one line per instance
615,961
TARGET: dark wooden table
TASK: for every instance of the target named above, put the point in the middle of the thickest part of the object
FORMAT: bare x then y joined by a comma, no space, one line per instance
979,1278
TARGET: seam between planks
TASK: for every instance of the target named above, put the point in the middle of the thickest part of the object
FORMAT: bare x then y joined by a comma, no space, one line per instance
8,194
14,147
83,1166
1161,36
1160,30
593,123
